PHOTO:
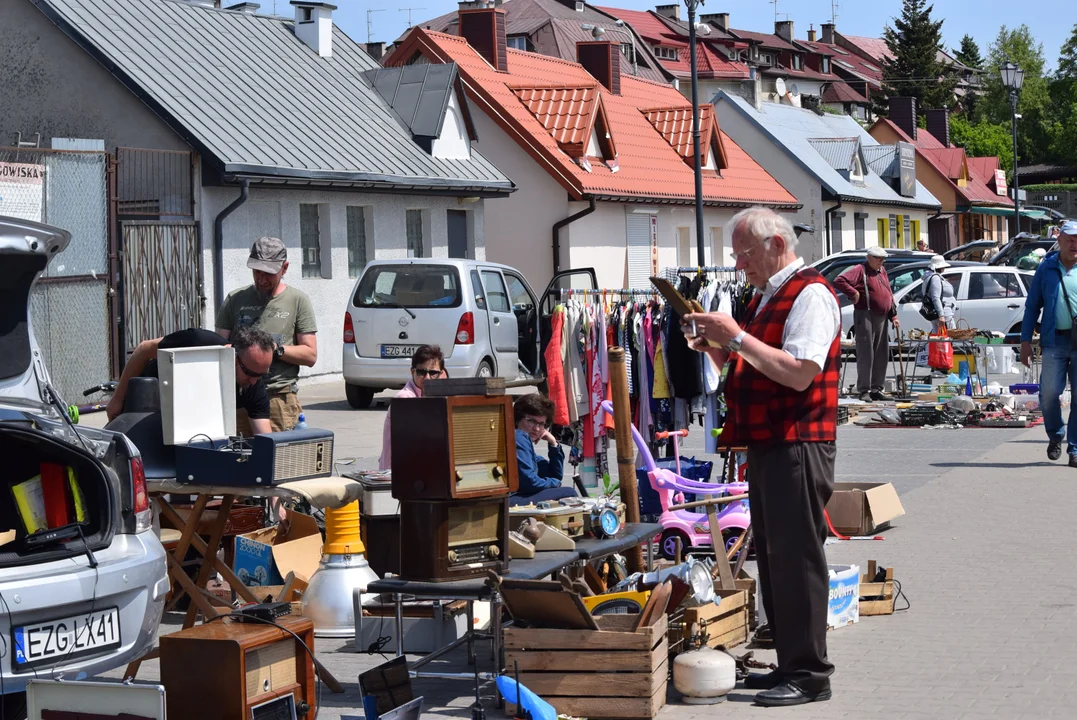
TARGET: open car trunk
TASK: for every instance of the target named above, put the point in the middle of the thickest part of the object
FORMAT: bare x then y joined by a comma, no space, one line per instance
76,491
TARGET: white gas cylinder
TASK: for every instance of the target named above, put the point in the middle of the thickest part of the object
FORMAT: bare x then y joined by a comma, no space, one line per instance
704,676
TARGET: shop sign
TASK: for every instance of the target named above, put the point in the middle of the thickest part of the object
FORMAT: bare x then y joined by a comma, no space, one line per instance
22,191
907,168
654,244
1000,183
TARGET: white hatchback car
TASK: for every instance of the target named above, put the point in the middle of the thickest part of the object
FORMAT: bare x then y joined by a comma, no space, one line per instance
987,297
484,316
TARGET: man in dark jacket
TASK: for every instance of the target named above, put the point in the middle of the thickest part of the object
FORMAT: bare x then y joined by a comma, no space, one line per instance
873,305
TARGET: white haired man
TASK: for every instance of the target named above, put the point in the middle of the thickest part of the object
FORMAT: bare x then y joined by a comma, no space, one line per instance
782,394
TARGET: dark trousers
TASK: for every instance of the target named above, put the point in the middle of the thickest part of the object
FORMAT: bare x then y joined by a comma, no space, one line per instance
872,350
543,495
789,485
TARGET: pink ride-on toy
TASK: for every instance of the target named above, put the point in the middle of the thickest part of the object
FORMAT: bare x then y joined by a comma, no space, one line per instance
691,527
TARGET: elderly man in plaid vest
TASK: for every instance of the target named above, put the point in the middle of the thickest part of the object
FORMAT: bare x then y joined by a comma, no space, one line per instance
782,393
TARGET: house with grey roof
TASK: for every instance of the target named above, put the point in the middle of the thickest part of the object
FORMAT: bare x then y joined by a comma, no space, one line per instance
853,190
247,124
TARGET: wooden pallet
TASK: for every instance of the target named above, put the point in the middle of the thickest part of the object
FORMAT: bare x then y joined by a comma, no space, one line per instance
611,672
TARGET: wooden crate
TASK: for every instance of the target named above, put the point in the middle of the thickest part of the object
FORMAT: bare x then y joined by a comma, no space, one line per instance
611,672
726,622
747,583
876,598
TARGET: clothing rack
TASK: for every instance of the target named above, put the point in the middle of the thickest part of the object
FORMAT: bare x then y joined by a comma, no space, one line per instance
705,269
628,292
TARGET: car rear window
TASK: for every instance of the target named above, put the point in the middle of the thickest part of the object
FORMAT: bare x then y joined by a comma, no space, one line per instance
413,286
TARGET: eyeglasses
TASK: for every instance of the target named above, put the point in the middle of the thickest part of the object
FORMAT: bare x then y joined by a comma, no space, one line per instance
424,373
747,253
534,423
250,373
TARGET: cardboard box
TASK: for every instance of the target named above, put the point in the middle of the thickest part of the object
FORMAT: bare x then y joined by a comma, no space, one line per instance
843,607
266,556
863,508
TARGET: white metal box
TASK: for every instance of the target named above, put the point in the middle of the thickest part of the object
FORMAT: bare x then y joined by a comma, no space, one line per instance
198,394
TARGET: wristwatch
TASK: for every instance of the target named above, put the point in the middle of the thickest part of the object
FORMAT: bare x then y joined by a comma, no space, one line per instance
278,351
736,342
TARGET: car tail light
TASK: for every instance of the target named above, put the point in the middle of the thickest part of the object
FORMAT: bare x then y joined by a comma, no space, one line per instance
465,329
349,329
141,496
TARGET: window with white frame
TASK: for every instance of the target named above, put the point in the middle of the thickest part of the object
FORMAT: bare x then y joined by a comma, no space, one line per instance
358,249
310,239
825,65
519,42
665,53
414,231
766,59
798,62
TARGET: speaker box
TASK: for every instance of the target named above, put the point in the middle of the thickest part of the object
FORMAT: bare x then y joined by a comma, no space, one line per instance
227,670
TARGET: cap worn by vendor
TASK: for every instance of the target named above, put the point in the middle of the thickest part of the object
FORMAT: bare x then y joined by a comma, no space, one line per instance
268,255
1069,227
938,262
876,251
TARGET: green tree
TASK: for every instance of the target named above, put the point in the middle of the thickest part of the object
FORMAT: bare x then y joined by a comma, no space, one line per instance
1067,58
1037,125
1063,90
983,139
969,53
915,71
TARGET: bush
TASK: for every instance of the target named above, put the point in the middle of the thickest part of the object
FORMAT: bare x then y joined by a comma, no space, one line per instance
1048,187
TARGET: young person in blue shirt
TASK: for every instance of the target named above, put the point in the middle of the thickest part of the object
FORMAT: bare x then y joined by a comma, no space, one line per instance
1055,283
540,479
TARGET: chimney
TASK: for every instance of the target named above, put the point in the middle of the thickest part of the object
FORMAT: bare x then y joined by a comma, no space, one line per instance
484,30
828,32
938,124
602,60
718,20
245,7
673,12
375,50
811,33
903,114
314,25
784,30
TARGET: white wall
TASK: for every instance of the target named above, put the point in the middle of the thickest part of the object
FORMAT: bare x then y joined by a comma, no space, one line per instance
871,223
804,186
275,212
519,228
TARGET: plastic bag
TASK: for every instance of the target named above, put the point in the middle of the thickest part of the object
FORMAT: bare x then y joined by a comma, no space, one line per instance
940,355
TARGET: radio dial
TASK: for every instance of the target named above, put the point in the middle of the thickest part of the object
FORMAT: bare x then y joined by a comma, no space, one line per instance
498,471
452,556
494,551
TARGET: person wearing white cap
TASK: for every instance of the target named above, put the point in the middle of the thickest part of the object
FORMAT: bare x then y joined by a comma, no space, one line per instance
938,303
873,305
1052,302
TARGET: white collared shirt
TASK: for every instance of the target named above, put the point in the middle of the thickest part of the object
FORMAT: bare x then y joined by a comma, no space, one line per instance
814,320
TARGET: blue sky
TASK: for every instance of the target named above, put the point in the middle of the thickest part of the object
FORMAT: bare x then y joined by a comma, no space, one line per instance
1050,20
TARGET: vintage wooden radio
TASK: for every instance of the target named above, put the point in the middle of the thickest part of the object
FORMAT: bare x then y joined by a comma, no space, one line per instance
453,448
453,539
227,670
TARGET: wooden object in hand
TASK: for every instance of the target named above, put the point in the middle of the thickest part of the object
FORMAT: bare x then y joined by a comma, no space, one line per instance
452,448
453,539
611,672
626,448
219,670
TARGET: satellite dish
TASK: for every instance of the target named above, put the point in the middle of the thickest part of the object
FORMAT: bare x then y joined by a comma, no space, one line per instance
793,89
779,85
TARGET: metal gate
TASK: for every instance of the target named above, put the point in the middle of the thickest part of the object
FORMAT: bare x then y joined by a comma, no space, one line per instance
161,288
69,305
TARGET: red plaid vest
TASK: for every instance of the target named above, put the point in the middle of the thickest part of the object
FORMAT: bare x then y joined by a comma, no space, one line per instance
762,411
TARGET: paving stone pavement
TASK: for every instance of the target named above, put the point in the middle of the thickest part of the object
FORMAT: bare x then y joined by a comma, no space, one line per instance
984,554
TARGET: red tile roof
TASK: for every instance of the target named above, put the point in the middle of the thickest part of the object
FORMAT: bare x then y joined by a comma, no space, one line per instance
648,166
710,63
875,48
768,40
567,113
839,92
675,125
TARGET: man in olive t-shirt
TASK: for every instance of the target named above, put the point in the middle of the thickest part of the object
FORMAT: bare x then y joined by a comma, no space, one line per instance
287,315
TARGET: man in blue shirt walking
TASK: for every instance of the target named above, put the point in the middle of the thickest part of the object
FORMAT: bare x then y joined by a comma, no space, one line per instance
1054,291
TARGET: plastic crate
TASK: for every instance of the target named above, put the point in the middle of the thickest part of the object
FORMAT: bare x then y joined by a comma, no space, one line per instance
1025,389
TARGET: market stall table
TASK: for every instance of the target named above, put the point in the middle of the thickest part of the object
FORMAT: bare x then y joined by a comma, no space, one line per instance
325,492
630,535
471,590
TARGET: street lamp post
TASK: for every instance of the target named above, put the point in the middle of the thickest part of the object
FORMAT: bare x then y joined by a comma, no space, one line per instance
1012,78
692,5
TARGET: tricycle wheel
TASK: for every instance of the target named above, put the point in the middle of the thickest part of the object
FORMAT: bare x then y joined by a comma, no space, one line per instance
667,545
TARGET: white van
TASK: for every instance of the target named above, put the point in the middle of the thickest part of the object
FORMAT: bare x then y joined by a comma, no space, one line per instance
484,316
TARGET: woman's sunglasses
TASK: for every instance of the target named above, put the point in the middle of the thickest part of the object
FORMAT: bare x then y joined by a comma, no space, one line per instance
424,373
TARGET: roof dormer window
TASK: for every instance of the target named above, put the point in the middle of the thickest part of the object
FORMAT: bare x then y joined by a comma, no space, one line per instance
798,62
825,64
665,53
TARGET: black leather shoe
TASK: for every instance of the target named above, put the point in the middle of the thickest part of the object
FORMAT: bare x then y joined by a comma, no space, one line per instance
763,635
763,681
1073,460
789,694
1054,450
879,396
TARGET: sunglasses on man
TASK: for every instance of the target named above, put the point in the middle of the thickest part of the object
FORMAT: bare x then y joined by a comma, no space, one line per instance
250,373
424,373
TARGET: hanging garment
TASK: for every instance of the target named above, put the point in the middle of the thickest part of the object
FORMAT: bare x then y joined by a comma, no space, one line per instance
603,345
682,361
566,363
661,384
597,388
555,370
578,363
